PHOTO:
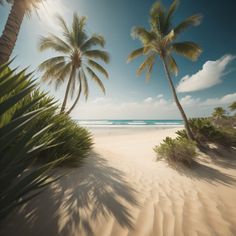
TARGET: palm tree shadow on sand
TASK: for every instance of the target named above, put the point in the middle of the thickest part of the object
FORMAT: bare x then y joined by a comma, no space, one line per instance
209,168
91,192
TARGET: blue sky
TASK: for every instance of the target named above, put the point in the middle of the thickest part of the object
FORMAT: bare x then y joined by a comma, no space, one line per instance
209,82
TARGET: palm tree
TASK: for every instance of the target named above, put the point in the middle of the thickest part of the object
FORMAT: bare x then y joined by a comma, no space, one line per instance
219,113
76,60
160,41
232,107
9,35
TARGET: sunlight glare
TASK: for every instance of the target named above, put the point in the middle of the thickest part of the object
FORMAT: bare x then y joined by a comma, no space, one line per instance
47,12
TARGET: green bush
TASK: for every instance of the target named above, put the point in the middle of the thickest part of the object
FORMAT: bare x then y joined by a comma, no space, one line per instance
205,132
19,146
179,150
34,139
75,141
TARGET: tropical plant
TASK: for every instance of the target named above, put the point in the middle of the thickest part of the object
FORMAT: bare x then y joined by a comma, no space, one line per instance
175,151
34,139
218,113
160,41
206,132
75,141
20,179
232,106
9,35
76,60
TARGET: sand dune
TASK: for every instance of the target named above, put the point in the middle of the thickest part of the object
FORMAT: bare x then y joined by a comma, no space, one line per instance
122,191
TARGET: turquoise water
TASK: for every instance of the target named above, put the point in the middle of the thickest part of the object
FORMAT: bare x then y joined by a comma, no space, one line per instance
130,123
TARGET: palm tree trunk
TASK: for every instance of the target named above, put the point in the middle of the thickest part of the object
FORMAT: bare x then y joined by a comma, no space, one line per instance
11,30
188,130
76,100
67,90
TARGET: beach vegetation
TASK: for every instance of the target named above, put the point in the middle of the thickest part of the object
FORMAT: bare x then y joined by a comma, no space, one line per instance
177,151
219,113
160,41
34,139
206,132
232,106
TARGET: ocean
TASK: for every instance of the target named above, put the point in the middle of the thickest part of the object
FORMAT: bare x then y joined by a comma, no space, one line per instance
131,123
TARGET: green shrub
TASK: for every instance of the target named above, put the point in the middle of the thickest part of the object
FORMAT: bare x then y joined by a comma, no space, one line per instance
179,150
34,139
205,132
75,141
19,146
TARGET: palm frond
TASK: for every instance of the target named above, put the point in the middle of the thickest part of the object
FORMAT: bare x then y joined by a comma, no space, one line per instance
157,18
64,72
97,54
193,20
169,14
136,53
95,40
50,74
98,67
63,24
55,43
142,34
188,49
168,38
51,61
84,81
172,65
96,79
78,29
73,84
147,64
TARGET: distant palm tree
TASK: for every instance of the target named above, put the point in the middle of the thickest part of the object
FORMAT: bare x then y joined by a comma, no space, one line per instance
160,41
9,35
232,107
76,60
219,113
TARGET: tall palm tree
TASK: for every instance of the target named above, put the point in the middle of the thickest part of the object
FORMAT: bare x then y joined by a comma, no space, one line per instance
75,60
160,42
219,113
9,35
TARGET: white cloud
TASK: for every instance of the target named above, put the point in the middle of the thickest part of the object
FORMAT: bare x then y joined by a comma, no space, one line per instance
100,100
189,100
149,99
227,99
210,75
155,108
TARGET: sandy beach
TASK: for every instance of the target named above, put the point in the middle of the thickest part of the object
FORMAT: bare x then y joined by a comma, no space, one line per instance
121,190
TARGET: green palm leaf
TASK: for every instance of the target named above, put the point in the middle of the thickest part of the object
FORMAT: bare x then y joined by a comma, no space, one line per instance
188,49
84,84
96,79
98,67
194,20
136,53
55,43
97,54
148,63
172,65
95,40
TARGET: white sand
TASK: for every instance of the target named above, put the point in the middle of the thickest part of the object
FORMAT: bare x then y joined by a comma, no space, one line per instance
122,191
